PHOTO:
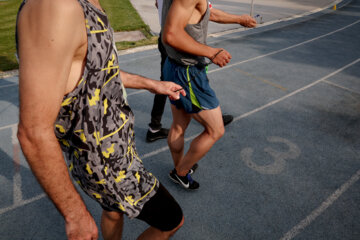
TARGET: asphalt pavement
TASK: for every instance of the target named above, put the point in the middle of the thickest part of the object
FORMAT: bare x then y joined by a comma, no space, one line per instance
288,167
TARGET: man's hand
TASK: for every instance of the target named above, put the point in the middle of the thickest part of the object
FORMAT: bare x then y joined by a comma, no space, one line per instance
220,16
247,21
221,57
171,89
82,227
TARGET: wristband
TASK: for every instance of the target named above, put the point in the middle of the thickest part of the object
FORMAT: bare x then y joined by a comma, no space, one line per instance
213,57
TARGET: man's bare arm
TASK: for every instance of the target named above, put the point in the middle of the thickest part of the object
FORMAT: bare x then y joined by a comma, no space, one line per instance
174,33
219,16
49,34
159,87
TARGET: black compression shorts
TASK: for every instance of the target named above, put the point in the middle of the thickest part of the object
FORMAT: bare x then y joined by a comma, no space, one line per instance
161,211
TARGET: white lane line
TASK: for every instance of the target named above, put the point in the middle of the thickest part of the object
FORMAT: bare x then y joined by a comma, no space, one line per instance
297,91
261,56
324,205
264,106
342,87
274,52
8,126
163,149
239,29
17,193
21,204
276,21
138,58
230,31
9,85
285,49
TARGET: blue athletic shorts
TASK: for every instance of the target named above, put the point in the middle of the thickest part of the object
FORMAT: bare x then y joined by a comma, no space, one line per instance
199,95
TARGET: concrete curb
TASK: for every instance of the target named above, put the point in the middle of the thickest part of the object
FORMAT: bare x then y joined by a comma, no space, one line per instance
8,74
129,36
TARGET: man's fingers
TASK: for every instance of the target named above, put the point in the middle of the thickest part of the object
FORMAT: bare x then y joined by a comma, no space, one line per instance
248,21
222,59
182,92
175,95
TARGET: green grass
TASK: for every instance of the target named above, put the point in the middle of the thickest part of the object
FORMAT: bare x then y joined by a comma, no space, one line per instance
122,16
7,34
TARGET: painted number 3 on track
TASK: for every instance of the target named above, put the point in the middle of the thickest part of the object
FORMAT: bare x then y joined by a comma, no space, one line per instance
279,158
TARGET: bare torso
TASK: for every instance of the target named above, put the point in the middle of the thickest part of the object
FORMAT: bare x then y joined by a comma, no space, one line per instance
198,12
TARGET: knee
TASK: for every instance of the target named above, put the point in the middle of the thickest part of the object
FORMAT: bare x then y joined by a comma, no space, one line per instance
112,216
176,138
180,224
172,232
177,130
216,134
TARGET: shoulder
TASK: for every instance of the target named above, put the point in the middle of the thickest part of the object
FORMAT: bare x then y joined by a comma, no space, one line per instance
51,16
42,10
51,24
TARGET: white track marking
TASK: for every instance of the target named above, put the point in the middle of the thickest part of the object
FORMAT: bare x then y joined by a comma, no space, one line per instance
23,203
301,225
296,91
163,149
17,193
275,21
9,85
324,205
292,232
341,87
8,126
266,105
284,49
265,55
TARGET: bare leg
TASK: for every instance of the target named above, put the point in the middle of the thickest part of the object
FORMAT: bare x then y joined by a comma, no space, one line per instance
181,120
155,234
214,130
112,225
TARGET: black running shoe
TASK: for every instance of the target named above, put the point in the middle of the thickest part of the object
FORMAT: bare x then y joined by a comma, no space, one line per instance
186,182
227,119
193,169
162,133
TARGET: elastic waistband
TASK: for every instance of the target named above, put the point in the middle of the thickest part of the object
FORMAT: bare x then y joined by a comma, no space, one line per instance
199,65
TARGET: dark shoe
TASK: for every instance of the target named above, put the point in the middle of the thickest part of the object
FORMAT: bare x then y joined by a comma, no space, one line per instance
162,133
186,182
193,169
227,119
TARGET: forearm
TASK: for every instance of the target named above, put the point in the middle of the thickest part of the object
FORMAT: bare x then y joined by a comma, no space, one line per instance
158,87
45,158
136,81
219,16
244,20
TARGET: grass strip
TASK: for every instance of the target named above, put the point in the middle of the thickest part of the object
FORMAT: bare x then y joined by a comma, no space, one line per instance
121,14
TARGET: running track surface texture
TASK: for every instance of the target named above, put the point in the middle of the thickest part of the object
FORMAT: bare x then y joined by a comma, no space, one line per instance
288,167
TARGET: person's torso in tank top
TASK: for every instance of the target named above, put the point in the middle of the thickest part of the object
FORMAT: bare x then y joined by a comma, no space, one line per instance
197,28
95,125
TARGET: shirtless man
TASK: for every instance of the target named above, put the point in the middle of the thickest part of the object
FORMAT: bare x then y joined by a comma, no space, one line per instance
73,101
155,130
184,38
